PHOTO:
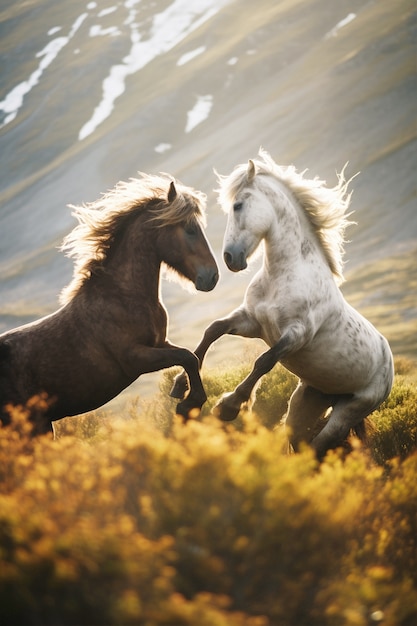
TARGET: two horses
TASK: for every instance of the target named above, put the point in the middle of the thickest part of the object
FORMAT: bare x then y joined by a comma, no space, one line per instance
112,327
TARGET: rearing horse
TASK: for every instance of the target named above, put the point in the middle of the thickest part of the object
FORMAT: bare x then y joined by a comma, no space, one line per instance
295,305
112,325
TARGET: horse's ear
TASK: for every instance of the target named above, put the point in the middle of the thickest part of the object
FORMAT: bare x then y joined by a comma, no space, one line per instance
251,172
172,192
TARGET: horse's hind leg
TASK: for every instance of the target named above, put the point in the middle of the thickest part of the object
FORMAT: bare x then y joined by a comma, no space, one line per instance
348,412
306,406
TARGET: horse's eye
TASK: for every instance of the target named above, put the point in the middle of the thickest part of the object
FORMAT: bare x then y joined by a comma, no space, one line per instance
190,229
237,206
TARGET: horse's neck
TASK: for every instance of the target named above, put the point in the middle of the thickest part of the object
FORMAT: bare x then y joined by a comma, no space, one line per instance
291,241
134,266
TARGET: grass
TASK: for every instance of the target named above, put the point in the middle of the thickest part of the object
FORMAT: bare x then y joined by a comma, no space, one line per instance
141,520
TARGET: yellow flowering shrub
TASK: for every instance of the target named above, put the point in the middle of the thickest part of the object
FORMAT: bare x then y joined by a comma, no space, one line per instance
143,520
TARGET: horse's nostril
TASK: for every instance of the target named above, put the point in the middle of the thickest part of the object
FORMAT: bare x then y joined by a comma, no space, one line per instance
227,258
215,279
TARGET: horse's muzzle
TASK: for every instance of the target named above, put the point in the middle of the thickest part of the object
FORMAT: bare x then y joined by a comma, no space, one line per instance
235,260
206,279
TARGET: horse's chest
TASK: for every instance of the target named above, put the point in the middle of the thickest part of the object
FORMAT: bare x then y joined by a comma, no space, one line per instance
151,327
159,326
269,321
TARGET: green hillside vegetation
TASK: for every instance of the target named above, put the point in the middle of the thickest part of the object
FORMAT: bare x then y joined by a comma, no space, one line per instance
140,520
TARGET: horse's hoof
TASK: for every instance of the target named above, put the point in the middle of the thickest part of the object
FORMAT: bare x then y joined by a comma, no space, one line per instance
224,411
187,411
180,387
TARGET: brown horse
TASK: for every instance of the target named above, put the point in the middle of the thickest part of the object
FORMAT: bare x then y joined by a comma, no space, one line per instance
112,325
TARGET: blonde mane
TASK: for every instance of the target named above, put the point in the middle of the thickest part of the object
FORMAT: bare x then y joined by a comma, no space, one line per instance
89,242
326,207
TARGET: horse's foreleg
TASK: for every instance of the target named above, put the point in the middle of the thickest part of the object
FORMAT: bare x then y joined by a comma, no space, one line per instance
151,359
228,407
231,325
197,396
213,332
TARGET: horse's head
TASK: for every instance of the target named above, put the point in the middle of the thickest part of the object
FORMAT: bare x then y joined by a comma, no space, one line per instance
249,215
181,242
266,201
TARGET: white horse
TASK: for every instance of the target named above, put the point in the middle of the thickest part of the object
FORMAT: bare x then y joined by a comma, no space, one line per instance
295,305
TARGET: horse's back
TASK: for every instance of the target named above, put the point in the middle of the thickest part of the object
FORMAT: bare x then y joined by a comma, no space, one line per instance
58,358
